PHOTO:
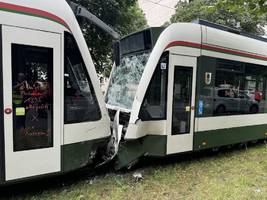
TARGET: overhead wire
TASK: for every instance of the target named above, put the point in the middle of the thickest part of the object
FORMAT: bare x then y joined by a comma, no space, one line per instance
157,3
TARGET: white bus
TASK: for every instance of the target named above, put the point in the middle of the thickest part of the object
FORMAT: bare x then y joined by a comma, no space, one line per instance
188,87
53,116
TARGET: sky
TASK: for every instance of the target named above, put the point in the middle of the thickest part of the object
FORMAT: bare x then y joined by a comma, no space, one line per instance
158,11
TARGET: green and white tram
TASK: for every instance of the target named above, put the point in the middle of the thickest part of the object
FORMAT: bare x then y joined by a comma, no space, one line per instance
188,87
53,117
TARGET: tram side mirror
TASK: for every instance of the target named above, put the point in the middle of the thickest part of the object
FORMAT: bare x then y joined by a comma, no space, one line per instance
116,50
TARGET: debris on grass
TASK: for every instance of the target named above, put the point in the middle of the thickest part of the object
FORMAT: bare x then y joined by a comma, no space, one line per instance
138,176
258,190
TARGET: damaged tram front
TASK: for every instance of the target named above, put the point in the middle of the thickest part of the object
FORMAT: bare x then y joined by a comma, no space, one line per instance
131,57
188,87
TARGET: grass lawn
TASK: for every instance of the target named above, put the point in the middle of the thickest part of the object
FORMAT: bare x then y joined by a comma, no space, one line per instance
238,173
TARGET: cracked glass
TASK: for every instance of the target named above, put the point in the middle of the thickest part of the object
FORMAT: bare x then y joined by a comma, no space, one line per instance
125,79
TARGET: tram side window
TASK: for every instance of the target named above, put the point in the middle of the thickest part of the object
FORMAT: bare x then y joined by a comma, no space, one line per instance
239,88
80,100
154,103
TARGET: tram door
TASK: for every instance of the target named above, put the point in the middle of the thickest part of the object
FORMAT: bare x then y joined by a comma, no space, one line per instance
32,102
181,103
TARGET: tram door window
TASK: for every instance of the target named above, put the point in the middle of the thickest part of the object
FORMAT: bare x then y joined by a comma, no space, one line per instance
32,97
80,100
182,93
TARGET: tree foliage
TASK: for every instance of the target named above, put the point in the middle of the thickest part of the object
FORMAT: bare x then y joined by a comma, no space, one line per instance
124,16
247,15
257,6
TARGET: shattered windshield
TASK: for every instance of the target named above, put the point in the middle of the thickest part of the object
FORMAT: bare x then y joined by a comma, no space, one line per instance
125,79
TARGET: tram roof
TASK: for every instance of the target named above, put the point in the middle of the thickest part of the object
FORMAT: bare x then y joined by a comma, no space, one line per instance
57,11
229,29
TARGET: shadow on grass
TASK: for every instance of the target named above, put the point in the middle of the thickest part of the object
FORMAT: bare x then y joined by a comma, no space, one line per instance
36,187
28,188
187,158
24,190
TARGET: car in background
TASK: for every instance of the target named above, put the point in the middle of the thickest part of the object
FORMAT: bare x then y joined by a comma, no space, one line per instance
230,100
254,95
